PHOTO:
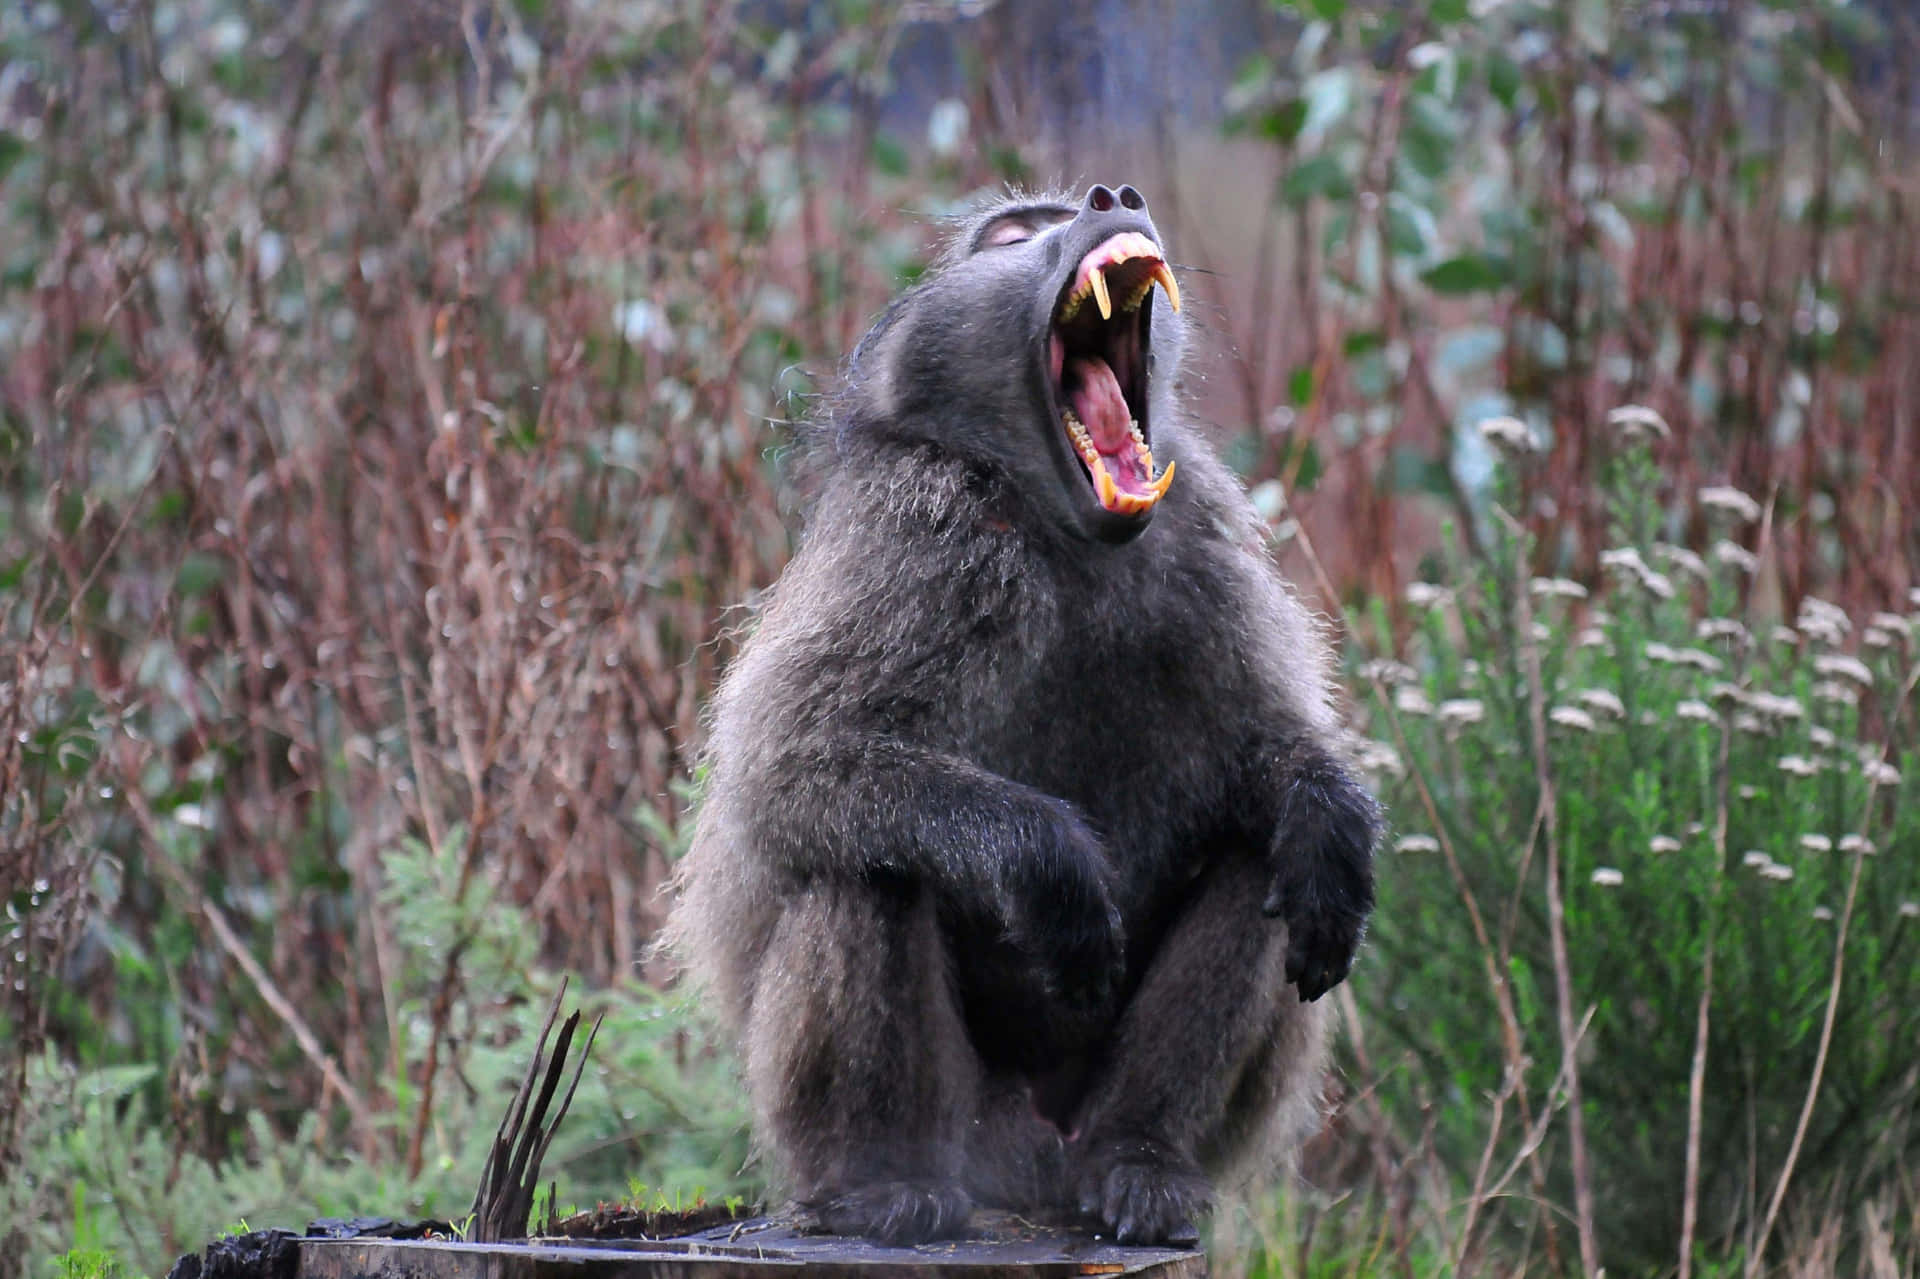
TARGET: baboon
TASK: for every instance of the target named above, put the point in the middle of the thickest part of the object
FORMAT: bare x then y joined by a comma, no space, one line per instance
1028,844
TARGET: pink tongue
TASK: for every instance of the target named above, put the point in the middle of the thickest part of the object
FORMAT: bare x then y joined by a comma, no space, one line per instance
1100,406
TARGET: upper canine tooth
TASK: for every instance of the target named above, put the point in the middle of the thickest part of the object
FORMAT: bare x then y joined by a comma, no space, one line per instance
1099,281
1164,274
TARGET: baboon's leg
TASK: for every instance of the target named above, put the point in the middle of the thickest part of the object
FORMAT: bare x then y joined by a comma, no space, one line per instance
858,1063
1214,1062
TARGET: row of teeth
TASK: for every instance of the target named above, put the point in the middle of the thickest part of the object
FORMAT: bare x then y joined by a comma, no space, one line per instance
1110,495
1095,287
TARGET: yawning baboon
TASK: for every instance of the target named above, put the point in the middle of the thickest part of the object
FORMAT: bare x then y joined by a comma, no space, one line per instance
1028,845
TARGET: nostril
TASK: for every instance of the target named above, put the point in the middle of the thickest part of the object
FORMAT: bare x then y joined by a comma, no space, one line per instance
1099,199
1132,199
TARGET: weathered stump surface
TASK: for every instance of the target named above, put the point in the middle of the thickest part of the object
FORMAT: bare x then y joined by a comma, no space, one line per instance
1004,1248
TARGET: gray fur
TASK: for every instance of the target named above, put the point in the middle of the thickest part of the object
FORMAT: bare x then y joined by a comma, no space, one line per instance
1012,813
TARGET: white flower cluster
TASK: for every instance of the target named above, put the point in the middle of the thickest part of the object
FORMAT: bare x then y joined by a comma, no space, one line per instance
1508,434
1857,843
1878,772
1887,630
1416,844
1844,667
1756,860
1602,701
1427,595
1735,556
1411,701
1731,502
1608,876
1681,560
1458,711
1384,670
1571,717
1379,759
1560,588
1708,629
1636,422
1626,561
1698,658
1832,690
1827,623
1663,844
1756,711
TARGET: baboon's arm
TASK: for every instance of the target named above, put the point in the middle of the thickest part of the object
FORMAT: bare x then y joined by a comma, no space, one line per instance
881,808
1325,826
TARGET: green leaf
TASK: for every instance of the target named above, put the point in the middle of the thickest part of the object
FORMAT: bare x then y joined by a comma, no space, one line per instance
889,157
1429,136
1468,273
1300,385
1310,466
1282,123
1411,230
12,147
1328,94
1503,79
199,573
1321,175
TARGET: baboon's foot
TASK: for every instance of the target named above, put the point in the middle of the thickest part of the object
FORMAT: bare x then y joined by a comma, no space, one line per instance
1144,1192
896,1212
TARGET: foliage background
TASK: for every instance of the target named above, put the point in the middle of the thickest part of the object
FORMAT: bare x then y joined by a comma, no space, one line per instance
389,438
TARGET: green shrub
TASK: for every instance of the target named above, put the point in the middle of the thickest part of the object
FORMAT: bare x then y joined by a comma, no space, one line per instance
1730,815
104,1175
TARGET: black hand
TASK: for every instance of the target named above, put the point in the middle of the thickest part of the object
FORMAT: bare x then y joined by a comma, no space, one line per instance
1322,882
1061,913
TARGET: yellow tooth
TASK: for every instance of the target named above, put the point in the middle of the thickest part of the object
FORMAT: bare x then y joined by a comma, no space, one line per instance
1099,281
1159,487
1107,490
1164,274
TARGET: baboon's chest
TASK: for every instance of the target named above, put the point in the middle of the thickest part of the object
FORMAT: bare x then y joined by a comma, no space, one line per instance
1140,732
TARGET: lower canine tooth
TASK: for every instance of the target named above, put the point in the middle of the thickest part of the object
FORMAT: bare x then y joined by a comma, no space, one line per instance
1159,487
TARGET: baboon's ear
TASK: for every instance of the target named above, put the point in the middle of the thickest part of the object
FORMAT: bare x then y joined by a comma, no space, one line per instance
875,366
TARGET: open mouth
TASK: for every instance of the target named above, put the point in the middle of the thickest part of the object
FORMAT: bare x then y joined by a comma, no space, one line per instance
1097,355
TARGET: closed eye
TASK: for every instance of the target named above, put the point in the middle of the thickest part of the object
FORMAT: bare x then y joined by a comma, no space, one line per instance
1007,231
1021,226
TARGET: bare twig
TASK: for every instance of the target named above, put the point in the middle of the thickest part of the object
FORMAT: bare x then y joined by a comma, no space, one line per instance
1697,1071
269,992
1556,912
511,1175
